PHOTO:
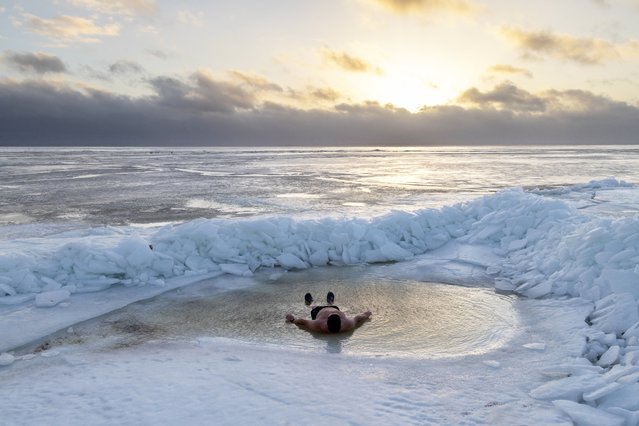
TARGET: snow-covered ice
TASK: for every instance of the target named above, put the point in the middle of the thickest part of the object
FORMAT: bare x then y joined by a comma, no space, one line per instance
226,381
573,355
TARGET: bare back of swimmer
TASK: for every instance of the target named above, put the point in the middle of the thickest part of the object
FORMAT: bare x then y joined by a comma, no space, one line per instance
329,319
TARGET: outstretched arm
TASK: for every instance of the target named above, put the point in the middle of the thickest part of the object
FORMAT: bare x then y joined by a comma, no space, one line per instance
359,319
300,322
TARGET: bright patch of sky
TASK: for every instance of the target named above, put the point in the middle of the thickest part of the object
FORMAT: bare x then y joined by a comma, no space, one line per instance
410,53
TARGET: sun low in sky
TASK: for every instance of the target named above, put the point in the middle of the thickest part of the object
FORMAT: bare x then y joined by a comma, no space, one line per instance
293,72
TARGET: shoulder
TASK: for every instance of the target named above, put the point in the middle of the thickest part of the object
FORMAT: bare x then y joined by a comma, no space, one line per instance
348,324
311,325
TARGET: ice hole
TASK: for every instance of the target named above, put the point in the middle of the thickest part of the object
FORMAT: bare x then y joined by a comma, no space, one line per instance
410,318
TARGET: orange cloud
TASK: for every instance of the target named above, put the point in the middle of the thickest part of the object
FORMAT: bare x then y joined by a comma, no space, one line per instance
254,81
349,62
586,51
325,94
509,69
67,28
409,6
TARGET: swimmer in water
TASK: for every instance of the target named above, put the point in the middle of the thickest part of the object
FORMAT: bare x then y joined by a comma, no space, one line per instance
328,318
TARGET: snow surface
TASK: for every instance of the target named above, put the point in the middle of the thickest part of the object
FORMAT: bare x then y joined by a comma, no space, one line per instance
525,243
223,381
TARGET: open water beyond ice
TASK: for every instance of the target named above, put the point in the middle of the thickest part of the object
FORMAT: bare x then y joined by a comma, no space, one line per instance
94,187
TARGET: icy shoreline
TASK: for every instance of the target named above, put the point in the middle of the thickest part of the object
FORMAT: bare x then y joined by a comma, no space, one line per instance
226,381
529,244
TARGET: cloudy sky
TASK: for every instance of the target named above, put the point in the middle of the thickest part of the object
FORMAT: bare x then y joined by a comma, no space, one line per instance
331,72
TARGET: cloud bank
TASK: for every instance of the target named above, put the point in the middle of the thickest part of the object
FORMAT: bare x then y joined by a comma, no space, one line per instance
203,111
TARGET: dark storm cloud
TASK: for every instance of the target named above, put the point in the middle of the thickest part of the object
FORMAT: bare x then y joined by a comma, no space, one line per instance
204,111
203,94
38,62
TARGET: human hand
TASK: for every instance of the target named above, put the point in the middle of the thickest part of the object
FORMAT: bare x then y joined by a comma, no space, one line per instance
290,317
363,317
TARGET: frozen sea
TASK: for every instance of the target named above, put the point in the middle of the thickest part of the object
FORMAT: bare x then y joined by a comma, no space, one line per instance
149,286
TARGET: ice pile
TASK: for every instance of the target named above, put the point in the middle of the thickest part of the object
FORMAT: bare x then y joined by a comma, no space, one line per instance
546,248
591,186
